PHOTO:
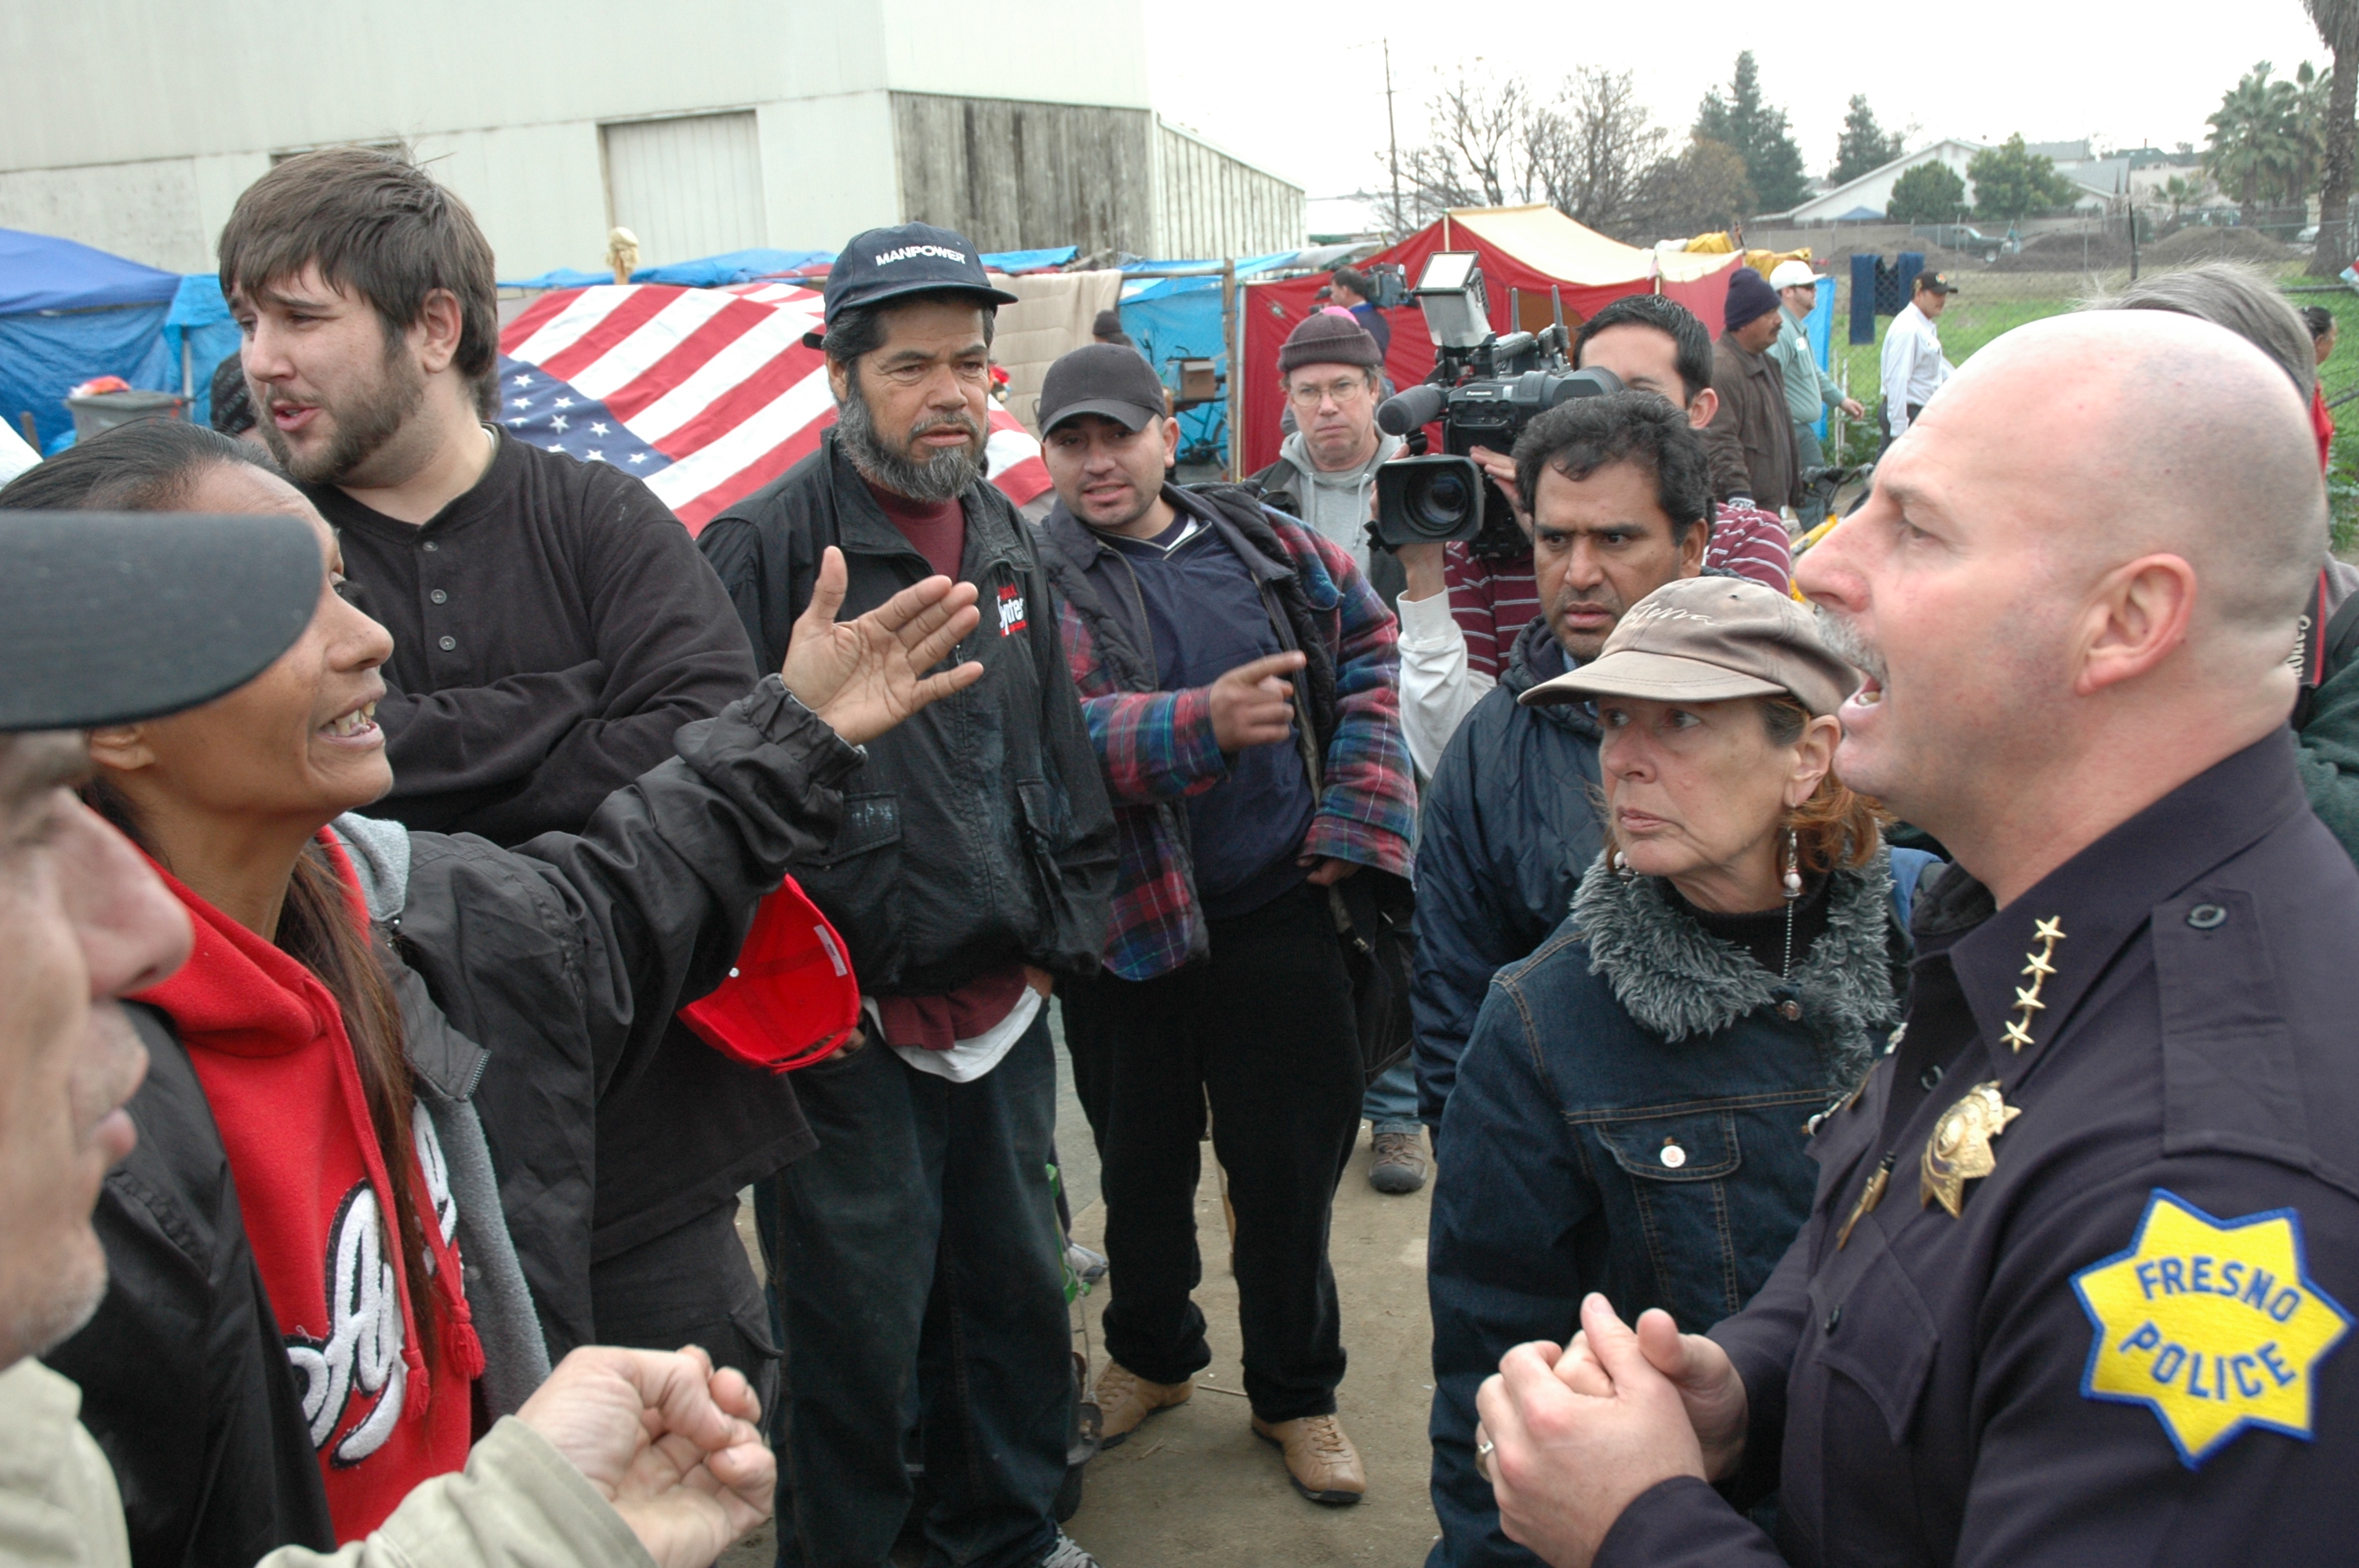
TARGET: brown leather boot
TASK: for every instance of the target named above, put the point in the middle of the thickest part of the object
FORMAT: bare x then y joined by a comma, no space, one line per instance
1125,1398
1320,1460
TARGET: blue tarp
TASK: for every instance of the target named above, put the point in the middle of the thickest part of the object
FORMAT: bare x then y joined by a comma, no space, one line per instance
68,313
199,318
40,272
1014,262
1162,287
43,356
705,272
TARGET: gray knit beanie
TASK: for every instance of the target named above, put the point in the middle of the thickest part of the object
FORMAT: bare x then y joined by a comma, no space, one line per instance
1328,338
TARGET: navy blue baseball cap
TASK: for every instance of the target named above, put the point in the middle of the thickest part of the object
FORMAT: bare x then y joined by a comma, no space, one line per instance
914,258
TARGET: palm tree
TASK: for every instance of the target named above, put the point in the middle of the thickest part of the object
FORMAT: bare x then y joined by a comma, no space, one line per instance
2337,22
2252,142
2180,192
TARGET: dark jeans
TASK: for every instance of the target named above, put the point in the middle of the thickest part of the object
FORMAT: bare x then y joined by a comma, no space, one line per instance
1265,1029
689,1286
919,1277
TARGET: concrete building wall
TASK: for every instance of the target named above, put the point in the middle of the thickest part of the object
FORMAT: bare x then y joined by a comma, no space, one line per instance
134,128
1012,176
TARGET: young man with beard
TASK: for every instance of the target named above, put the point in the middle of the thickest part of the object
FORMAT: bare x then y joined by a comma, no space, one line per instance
2107,1165
916,1252
553,628
1186,614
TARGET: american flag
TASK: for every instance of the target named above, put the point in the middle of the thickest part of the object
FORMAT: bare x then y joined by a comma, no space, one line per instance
706,394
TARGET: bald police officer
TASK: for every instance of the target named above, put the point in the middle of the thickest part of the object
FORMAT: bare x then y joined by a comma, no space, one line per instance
2076,1285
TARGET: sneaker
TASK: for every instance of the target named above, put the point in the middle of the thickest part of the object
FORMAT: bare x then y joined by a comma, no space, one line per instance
1087,1266
1125,1399
1320,1460
1398,1161
1063,1553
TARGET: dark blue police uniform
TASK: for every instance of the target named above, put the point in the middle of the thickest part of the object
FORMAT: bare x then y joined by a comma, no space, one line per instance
2128,1347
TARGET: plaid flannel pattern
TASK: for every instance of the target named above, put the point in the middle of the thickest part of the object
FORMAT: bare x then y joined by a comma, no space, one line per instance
1158,748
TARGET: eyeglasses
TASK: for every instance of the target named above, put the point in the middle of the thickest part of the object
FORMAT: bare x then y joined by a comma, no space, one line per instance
1345,393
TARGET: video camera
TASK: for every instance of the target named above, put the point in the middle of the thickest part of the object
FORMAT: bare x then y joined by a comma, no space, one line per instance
1484,389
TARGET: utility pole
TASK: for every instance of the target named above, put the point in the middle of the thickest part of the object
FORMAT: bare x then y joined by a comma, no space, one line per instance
1392,136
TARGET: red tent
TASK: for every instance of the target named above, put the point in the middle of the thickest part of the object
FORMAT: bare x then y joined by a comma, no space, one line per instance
1524,249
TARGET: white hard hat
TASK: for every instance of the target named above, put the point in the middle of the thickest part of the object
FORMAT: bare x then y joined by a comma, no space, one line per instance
1793,274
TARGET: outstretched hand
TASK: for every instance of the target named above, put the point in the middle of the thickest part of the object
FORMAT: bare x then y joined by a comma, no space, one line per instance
667,1440
867,674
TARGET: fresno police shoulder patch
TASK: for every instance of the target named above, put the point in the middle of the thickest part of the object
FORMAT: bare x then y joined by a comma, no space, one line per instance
2212,1324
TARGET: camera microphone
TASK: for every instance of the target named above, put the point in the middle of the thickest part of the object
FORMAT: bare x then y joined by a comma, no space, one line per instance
1405,411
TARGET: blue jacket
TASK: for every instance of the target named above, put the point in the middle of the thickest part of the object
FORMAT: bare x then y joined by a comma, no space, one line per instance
1629,1117
1508,825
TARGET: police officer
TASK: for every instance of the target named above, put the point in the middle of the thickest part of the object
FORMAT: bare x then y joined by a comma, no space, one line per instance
2076,1283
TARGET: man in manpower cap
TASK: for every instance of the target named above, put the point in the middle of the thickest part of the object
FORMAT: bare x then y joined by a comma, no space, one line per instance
1809,390
970,876
108,620
1189,618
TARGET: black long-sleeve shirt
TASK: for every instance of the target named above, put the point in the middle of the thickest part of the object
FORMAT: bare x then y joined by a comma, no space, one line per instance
553,627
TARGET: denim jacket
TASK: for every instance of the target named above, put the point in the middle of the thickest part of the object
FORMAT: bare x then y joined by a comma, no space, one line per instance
1629,1117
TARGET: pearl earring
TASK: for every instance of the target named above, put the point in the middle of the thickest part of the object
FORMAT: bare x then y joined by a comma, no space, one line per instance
1793,866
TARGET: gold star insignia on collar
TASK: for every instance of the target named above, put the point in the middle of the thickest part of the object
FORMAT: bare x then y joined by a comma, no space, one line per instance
2040,966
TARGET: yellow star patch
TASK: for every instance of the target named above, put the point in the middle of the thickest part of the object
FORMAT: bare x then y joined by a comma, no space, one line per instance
2211,1324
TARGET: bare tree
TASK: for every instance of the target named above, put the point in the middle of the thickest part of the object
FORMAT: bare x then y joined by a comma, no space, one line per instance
1702,190
1584,149
1591,148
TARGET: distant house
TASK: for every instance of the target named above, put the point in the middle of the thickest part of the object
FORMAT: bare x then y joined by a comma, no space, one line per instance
1872,191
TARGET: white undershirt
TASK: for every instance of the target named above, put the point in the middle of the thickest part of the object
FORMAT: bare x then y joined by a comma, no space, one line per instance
967,1060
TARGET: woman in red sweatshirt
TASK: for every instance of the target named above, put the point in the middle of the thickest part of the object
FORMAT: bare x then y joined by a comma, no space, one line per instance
296,1038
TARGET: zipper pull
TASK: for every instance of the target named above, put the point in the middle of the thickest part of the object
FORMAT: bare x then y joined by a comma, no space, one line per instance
1870,1195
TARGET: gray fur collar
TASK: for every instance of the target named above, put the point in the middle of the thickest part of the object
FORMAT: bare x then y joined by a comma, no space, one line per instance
1677,979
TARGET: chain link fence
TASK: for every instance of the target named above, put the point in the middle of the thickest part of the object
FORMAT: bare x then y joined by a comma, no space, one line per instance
2055,271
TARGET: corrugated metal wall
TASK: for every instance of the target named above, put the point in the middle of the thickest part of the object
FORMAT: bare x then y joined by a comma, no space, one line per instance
1013,176
688,186
1210,204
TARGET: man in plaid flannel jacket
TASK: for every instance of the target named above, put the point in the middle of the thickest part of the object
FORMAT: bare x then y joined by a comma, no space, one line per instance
1188,619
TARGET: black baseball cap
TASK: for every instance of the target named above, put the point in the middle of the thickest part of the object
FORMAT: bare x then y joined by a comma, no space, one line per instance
108,617
1101,378
1935,283
915,258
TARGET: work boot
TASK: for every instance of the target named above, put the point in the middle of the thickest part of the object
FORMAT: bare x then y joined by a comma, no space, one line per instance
1320,1460
1125,1398
1397,1162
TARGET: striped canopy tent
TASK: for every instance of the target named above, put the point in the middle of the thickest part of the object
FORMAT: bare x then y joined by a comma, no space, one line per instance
1526,251
706,394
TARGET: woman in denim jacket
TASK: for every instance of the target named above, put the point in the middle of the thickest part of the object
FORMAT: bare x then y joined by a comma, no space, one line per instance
1632,1113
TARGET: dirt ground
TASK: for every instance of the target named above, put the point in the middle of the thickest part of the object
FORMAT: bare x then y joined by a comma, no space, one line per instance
1194,1486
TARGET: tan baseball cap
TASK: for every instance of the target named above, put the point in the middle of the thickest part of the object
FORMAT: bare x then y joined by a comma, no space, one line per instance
1707,639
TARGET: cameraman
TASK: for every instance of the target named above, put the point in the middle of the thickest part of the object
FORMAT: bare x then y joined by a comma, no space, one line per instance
1454,648
1508,826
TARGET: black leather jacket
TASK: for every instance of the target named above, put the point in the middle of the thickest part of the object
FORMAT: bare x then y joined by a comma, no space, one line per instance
980,835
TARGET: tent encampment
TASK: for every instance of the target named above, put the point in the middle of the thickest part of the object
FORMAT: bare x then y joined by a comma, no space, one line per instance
68,313
1526,251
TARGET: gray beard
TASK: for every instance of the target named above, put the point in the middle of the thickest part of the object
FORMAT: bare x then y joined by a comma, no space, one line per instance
1847,644
944,476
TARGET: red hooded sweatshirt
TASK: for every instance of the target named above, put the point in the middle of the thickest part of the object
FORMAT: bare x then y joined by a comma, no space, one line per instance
268,1044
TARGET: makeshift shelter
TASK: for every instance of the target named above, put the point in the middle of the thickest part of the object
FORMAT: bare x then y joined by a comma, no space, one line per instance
68,313
1525,252
706,394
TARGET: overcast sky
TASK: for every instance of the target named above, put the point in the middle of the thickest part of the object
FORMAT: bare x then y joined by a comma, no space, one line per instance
1299,88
